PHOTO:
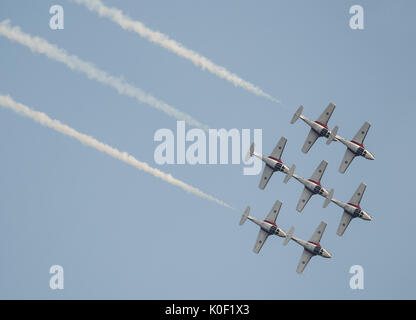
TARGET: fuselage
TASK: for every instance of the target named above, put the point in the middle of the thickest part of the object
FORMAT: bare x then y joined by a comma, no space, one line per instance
312,247
357,148
313,186
319,128
273,163
270,227
353,210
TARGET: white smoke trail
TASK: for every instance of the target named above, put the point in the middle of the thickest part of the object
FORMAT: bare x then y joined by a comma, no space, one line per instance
163,40
43,119
40,45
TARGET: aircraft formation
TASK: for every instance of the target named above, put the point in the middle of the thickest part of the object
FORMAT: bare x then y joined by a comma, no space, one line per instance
311,186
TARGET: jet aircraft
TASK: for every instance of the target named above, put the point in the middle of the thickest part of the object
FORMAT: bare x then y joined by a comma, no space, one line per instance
319,128
267,226
311,248
352,209
312,186
355,147
273,162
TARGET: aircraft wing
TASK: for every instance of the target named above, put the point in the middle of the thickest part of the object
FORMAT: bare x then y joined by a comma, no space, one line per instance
304,259
345,221
318,173
360,136
271,217
261,239
356,198
304,198
278,149
267,173
348,157
324,117
310,140
317,235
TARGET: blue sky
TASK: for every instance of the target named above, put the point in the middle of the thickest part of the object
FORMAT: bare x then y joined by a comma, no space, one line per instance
121,233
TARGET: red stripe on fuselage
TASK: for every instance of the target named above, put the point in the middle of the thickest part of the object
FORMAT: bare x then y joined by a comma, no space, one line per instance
278,160
355,206
321,124
271,223
358,144
316,244
316,182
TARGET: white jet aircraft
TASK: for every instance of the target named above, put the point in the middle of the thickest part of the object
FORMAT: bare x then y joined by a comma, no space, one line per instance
355,147
312,186
311,247
267,226
273,162
352,209
319,128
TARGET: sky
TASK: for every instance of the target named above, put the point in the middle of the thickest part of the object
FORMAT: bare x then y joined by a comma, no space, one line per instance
120,233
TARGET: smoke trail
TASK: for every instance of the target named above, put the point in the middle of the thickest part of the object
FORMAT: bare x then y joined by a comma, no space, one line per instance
43,119
163,40
40,45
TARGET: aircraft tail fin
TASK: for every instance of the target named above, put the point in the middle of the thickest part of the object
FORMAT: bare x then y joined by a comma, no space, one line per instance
328,198
249,152
289,235
333,135
296,115
245,215
289,174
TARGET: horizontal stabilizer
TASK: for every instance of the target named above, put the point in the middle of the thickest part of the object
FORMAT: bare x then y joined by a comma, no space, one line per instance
296,115
290,174
289,236
245,215
329,198
249,152
333,135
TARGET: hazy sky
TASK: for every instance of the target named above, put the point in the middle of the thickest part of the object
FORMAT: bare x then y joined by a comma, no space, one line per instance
122,233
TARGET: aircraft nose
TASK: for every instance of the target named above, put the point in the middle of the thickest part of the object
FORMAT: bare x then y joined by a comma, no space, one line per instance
367,217
327,254
282,233
371,156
